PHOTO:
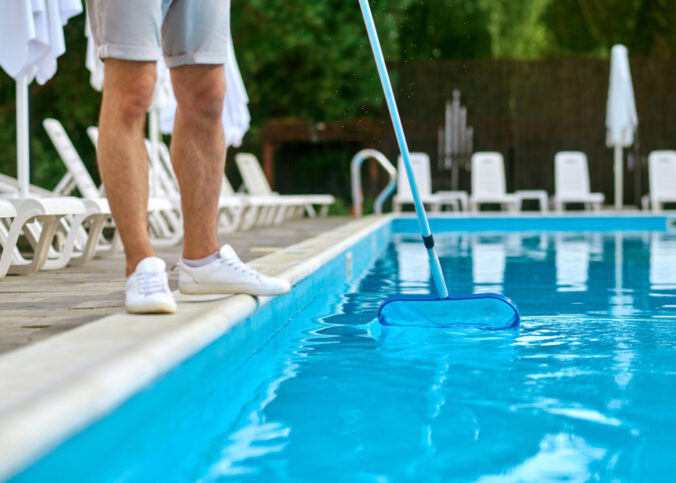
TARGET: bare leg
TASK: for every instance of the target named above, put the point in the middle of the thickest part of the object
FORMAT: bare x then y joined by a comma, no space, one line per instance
122,158
198,153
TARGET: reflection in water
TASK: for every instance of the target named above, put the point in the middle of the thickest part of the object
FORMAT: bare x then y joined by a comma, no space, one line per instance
621,302
259,436
559,454
489,258
662,261
572,262
414,267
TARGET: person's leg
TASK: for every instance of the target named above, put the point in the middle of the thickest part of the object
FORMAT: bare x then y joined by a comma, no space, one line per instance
198,153
121,154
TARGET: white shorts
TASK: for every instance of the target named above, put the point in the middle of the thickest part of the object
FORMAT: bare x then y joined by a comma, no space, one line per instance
184,31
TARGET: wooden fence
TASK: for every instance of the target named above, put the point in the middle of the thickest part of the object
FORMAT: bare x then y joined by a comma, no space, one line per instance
529,110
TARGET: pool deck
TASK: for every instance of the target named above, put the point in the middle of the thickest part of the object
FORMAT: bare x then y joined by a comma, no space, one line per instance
38,306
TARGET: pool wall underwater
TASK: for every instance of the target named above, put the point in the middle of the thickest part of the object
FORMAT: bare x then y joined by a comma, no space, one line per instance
112,447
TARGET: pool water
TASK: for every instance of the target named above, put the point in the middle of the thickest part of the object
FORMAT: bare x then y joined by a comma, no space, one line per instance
584,390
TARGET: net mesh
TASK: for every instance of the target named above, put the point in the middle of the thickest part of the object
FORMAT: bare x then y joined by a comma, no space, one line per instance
481,311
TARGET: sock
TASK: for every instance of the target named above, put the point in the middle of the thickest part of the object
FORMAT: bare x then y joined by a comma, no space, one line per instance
202,261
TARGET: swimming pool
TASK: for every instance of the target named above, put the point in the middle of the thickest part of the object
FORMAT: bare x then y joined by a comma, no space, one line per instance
319,391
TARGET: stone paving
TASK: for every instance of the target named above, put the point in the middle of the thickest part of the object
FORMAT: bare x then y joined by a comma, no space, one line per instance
34,307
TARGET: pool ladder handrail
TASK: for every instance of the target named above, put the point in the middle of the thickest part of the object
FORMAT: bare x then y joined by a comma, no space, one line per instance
355,169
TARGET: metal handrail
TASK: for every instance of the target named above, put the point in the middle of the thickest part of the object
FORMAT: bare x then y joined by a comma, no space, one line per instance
355,169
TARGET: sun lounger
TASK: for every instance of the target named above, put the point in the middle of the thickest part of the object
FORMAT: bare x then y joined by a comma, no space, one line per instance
38,220
256,184
230,208
420,163
488,182
661,179
9,188
165,230
236,211
78,236
257,211
571,181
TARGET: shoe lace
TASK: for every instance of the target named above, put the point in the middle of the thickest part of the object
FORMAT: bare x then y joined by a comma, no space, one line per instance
240,266
152,283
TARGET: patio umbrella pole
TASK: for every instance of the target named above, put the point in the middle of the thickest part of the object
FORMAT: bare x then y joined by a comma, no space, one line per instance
22,138
154,128
618,177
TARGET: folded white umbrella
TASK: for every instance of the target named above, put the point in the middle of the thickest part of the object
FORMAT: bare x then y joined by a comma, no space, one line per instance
31,39
621,117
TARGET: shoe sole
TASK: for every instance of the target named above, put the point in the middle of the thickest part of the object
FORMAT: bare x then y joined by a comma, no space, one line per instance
205,289
152,308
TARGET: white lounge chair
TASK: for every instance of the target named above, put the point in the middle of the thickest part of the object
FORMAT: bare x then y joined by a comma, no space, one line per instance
78,236
488,182
420,163
571,181
38,220
165,229
236,211
258,210
256,184
661,179
77,177
7,215
230,208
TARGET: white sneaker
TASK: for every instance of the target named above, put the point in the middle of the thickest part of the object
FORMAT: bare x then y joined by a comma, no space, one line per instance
226,275
148,289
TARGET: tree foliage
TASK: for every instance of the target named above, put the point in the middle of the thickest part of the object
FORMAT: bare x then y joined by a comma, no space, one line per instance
445,29
594,26
311,59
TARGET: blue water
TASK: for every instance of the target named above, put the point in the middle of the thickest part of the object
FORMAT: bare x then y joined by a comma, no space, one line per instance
584,391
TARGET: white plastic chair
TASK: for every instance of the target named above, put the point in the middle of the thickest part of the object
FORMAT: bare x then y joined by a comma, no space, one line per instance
7,215
78,235
420,163
166,228
458,200
257,210
38,219
571,181
661,179
488,182
256,184
230,208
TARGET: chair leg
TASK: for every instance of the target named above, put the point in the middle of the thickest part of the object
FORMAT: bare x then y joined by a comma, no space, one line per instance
249,217
96,224
281,216
310,210
49,226
230,219
69,246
